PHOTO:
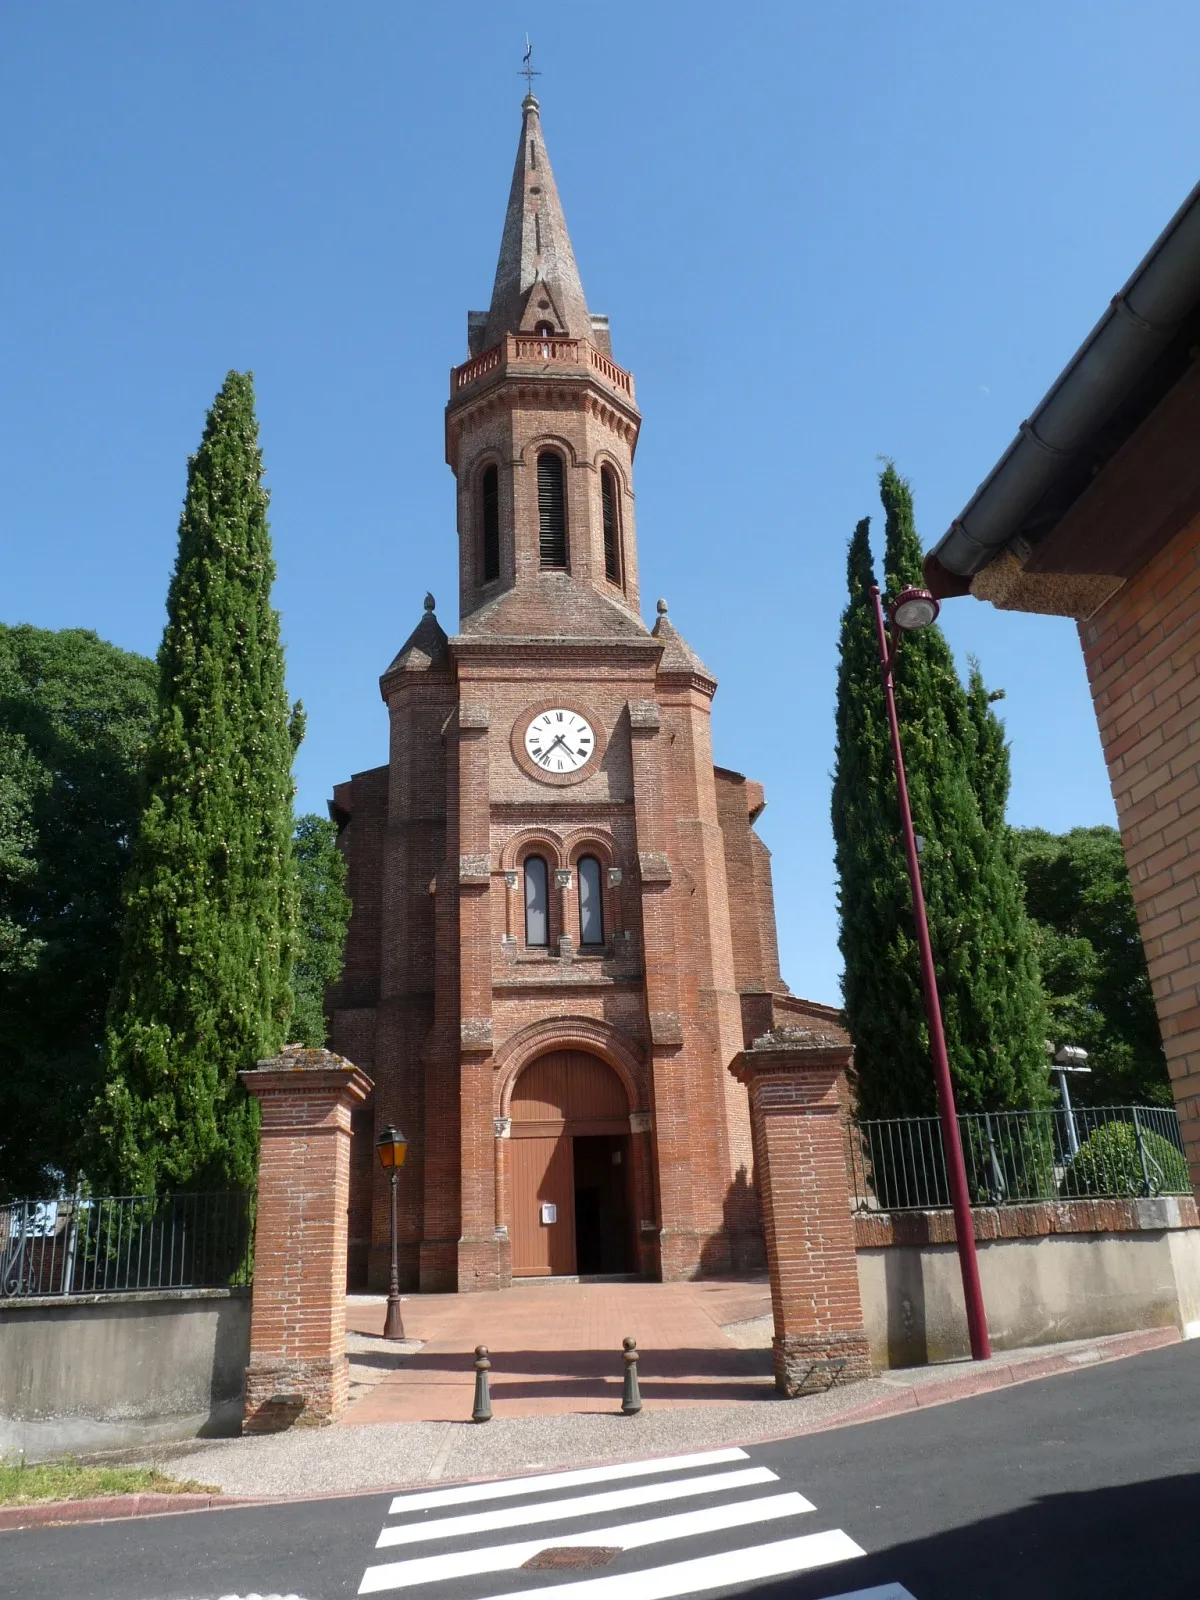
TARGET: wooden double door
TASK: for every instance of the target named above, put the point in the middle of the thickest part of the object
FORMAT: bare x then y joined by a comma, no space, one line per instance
570,1175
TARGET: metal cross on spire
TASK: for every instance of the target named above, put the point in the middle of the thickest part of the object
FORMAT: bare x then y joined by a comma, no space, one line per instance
528,71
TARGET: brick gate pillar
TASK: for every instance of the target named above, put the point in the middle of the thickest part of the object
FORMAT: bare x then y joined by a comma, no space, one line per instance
794,1079
298,1371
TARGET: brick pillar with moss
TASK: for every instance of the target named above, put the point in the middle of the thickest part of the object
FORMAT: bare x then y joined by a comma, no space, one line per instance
298,1372
795,1081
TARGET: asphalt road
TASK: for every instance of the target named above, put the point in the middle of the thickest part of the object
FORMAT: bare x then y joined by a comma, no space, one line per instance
1082,1486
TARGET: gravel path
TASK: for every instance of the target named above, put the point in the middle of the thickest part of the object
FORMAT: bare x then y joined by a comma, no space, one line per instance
399,1455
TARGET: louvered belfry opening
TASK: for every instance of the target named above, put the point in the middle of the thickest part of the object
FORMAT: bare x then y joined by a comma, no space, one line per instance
608,506
552,509
490,511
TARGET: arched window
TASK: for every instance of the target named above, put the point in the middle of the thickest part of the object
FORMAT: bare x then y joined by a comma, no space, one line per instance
489,502
552,509
537,902
591,905
610,511
544,330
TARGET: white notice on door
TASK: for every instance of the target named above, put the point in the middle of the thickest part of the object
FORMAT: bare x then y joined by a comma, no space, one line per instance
549,1212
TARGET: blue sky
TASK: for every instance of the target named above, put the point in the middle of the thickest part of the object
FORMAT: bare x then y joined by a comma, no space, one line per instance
823,234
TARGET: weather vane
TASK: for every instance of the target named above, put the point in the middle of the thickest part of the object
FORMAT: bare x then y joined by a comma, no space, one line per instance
528,71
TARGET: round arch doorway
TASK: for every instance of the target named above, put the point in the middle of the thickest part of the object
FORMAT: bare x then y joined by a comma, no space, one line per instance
570,1169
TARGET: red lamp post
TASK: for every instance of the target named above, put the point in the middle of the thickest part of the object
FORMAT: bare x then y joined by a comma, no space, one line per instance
392,1147
917,608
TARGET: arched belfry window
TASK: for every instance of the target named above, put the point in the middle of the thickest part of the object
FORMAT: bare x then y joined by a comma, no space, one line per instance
537,902
591,904
552,509
610,509
489,516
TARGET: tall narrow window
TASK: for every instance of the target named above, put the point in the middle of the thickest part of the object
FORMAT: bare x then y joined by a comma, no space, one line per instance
612,524
591,908
552,509
490,510
537,902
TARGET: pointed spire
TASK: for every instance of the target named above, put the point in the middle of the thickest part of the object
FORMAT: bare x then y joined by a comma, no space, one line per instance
536,262
678,655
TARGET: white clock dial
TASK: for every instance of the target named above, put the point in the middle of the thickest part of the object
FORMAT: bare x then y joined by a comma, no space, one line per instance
560,741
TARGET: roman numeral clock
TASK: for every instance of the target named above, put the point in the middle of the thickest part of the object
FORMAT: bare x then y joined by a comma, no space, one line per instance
558,743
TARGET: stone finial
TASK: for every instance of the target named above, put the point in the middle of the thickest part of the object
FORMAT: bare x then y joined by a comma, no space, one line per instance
430,602
662,608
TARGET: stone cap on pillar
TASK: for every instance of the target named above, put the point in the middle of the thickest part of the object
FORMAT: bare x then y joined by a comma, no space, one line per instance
297,1069
791,1050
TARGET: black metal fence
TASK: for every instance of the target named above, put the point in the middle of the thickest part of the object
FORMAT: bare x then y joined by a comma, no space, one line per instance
112,1244
1012,1157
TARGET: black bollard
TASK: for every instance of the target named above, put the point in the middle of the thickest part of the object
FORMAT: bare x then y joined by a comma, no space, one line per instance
483,1394
631,1400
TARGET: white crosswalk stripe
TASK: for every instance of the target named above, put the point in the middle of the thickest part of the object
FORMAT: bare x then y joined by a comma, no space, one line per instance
625,1536
507,1488
583,1505
468,1554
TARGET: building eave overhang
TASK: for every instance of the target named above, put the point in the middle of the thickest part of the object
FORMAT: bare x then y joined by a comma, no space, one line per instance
1117,385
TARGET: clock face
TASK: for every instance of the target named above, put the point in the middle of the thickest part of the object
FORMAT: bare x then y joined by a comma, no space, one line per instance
560,741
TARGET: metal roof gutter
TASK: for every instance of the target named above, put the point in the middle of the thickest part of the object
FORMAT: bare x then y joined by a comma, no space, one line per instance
1120,350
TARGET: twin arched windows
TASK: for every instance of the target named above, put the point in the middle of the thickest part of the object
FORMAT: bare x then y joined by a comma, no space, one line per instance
537,902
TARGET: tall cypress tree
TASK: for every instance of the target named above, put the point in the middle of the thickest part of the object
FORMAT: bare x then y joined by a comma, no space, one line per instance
990,774
992,1003
203,986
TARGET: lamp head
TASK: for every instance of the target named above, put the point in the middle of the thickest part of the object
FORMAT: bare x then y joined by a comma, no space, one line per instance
392,1147
914,608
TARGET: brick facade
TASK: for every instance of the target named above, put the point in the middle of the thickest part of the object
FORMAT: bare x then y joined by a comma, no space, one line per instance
796,1081
1142,650
298,1372
443,1001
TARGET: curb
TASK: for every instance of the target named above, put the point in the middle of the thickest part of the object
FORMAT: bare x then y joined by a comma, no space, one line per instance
908,1397
1004,1375
108,1508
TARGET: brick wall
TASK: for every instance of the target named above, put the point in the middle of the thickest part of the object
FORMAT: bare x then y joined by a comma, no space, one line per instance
1142,650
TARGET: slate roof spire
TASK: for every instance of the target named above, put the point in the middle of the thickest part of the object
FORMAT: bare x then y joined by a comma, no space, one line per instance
537,281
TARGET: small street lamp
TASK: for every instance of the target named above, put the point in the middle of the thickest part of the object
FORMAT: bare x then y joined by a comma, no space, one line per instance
392,1147
912,609
1071,1058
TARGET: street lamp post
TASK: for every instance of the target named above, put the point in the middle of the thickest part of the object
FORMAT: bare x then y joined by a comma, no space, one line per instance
1071,1058
916,608
392,1147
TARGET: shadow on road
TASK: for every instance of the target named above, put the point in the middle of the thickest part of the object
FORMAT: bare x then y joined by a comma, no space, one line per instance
1136,1542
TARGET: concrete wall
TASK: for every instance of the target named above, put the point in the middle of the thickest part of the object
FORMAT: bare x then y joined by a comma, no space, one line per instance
1036,1291
96,1373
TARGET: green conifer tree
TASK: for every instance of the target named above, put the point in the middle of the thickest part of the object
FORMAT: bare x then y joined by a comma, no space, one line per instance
992,1003
203,986
990,773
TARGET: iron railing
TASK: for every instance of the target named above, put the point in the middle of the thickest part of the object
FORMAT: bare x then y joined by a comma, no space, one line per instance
112,1244
1013,1157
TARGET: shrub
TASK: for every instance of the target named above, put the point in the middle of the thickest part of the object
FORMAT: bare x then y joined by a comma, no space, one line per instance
1108,1163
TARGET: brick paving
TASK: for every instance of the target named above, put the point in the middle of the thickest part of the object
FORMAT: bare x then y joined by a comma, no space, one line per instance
555,1349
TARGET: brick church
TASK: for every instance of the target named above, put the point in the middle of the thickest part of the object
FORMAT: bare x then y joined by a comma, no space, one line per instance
563,926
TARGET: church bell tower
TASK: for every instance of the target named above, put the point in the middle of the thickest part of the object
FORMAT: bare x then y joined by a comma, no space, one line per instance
541,429
563,926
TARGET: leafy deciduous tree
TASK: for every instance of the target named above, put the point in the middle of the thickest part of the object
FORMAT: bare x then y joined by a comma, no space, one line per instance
75,715
1093,963
324,913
